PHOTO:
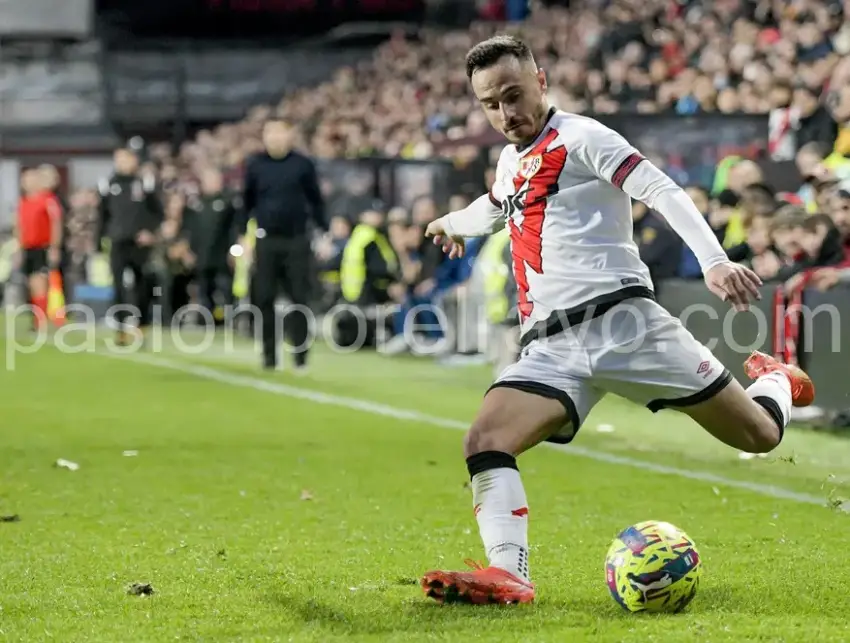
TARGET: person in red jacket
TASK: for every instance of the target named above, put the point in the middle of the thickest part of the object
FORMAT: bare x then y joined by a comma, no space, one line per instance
39,237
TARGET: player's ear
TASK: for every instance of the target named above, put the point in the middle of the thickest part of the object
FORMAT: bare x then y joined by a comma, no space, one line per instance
541,79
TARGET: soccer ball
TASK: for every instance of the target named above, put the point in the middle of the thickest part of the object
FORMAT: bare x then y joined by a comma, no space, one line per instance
653,567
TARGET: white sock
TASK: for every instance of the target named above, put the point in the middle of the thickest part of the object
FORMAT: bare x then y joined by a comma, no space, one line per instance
776,387
501,509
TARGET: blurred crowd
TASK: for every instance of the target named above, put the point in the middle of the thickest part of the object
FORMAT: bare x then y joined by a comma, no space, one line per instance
601,57
800,239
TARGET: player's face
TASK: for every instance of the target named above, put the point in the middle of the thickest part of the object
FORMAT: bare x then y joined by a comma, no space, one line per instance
512,93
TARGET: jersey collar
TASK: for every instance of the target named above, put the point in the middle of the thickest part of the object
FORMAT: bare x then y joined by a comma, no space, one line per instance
522,150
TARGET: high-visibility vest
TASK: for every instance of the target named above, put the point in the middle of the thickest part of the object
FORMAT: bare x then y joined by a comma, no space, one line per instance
241,268
496,273
839,164
352,272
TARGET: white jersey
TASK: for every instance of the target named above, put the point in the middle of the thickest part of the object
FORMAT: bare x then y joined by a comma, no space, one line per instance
566,199
570,220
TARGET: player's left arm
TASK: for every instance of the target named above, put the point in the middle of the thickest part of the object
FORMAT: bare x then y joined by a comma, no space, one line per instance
613,159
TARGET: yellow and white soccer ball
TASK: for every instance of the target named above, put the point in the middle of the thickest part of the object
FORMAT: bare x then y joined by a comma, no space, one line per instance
653,567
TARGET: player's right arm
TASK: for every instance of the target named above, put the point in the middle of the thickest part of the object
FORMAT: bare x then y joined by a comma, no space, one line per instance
480,218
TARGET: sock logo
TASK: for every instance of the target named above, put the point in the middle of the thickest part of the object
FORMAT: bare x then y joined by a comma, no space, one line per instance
522,512
477,509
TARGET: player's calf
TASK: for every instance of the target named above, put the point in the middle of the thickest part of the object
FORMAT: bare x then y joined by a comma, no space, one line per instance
754,420
511,421
736,419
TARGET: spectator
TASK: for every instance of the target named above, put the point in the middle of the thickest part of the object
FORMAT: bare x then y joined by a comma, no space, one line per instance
810,165
839,160
689,267
369,272
660,248
209,225
840,214
721,209
424,211
814,122
783,122
173,262
329,251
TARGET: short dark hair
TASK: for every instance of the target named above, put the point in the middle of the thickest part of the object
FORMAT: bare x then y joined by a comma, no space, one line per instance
487,53
788,217
814,221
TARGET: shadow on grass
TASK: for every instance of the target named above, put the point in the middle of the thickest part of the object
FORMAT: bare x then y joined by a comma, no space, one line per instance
407,611
414,613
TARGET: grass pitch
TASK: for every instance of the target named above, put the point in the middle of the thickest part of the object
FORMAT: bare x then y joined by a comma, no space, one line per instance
258,516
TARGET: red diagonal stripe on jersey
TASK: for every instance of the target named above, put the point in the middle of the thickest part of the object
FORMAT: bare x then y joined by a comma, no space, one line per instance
476,509
527,243
522,512
626,168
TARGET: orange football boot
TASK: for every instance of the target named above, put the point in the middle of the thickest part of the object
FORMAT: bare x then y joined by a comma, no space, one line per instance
480,586
802,388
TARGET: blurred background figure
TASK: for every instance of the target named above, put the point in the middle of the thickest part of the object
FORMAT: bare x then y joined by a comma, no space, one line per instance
329,249
39,233
282,194
52,182
130,214
209,223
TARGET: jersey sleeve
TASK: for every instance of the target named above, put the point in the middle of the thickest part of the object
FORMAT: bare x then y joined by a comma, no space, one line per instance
497,193
607,155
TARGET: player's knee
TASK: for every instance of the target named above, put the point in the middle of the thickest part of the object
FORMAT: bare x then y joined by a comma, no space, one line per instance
484,435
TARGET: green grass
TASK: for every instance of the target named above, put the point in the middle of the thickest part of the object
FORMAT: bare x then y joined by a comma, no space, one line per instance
259,517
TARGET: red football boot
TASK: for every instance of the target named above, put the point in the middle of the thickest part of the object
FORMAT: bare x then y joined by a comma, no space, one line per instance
802,388
480,586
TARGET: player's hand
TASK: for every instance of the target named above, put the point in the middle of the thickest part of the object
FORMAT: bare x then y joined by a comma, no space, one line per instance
734,283
453,245
53,257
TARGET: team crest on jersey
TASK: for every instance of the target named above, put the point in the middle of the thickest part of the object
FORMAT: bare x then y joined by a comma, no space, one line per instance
530,165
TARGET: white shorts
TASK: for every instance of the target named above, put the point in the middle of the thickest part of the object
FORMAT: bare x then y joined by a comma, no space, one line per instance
636,350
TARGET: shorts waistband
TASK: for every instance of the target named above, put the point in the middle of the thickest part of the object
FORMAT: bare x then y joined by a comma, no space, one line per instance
561,320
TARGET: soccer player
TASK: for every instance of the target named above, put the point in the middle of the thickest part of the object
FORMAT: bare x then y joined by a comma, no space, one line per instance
39,237
588,316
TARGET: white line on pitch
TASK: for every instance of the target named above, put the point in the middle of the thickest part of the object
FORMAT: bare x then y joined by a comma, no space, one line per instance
374,408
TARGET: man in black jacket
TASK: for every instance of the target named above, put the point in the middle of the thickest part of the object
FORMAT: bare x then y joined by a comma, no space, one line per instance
130,214
816,123
282,194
